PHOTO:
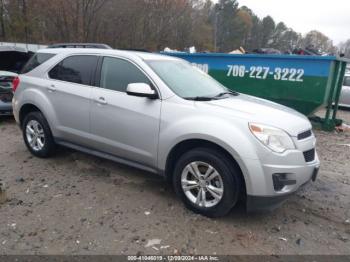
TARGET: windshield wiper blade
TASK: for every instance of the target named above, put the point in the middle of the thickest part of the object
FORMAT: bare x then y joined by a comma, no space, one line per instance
209,98
200,98
227,93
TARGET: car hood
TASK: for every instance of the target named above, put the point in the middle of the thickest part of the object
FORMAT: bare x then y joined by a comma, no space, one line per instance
261,111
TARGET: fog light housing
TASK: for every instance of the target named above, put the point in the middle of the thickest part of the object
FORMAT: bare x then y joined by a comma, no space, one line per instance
280,180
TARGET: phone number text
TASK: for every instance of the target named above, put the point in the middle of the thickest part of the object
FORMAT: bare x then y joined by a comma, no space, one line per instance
262,72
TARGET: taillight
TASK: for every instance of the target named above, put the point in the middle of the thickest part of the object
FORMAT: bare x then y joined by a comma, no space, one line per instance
15,83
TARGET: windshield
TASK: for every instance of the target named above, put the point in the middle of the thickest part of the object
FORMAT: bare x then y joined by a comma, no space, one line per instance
185,80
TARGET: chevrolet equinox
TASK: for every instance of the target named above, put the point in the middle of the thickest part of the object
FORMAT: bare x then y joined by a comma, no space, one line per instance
163,115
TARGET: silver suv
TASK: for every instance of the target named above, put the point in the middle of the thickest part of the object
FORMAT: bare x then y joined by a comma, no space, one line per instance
162,115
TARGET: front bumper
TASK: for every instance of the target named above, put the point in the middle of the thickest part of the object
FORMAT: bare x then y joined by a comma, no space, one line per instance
273,177
269,203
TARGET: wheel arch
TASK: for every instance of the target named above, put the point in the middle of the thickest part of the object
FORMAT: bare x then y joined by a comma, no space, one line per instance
189,144
25,110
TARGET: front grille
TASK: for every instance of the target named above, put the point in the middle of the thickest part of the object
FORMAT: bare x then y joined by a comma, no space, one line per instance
304,135
309,155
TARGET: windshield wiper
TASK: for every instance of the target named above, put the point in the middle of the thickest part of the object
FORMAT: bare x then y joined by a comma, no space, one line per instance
227,93
200,98
209,98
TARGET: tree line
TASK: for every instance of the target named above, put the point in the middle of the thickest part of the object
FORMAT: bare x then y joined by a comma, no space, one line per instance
152,25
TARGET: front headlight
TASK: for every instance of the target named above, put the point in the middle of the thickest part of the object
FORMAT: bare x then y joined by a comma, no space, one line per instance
274,138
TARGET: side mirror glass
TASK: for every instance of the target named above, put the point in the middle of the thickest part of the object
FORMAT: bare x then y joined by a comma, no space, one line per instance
141,90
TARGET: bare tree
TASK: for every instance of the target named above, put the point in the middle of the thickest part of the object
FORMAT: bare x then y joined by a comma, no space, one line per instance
2,19
147,24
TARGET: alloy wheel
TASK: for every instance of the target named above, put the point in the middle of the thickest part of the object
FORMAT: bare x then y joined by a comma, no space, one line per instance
35,135
202,184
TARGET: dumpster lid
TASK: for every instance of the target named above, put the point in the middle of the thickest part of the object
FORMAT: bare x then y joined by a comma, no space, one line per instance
301,57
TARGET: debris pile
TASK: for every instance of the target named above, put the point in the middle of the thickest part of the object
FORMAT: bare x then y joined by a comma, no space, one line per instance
343,128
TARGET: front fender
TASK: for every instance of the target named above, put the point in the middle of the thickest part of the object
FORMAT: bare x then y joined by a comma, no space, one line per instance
234,138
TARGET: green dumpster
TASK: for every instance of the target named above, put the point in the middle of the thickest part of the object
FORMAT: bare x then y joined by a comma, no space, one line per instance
305,83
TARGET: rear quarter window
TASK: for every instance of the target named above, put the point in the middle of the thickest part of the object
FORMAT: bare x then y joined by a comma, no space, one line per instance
77,69
35,61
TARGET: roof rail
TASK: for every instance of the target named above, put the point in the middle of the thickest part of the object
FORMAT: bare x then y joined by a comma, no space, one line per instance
80,45
135,49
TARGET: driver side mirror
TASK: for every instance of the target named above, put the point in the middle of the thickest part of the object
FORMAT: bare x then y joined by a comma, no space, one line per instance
141,90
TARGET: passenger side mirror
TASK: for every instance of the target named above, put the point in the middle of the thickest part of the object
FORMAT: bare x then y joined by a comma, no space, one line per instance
141,90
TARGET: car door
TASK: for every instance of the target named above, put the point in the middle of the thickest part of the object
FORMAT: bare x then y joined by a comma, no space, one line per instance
345,93
123,125
69,91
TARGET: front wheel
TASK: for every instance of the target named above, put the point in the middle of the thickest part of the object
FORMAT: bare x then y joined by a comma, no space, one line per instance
37,135
207,182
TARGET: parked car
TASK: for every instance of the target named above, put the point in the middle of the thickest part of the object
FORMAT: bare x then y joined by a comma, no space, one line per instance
13,58
6,80
161,114
344,100
347,70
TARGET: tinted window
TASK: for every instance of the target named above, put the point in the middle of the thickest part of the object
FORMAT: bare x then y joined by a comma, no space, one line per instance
347,81
35,61
116,74
75,69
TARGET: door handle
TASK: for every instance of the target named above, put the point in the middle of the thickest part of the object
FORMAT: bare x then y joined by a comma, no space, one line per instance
101,100
51,88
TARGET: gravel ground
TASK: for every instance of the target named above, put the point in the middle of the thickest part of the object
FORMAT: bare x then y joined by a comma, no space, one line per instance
74,203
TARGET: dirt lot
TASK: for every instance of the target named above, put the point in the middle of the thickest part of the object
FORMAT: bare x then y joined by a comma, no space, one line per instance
79,204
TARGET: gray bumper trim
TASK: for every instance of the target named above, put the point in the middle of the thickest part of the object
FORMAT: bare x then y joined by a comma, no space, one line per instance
263,204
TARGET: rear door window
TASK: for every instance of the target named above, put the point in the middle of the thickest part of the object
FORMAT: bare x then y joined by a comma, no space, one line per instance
78,69
35,61
117,73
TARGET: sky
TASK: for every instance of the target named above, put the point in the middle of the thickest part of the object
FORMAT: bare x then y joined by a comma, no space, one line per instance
330,17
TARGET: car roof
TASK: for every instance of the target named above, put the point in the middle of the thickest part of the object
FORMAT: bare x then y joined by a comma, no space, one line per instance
123,53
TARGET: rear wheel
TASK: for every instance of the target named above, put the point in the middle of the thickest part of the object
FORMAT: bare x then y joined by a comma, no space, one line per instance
37,135
207,182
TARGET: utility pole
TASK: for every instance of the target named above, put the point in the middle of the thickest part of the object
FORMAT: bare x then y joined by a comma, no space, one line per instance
218,8
2,20
215,31
25,16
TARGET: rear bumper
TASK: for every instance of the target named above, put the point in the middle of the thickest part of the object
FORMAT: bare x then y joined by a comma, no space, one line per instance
344,105
5,108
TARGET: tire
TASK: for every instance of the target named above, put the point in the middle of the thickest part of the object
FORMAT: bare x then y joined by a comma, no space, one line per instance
46,147
228,181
